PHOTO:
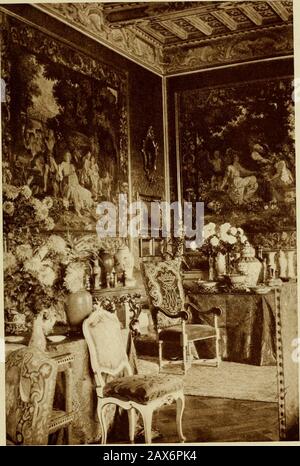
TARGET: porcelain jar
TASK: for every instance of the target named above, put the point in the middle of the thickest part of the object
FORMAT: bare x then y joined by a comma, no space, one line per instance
249,265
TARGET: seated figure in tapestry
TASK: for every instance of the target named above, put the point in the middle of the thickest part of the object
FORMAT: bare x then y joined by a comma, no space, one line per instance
270,178
239,183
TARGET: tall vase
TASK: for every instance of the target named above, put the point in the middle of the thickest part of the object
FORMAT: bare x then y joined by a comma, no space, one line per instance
38,339
272,264
107,264
290,264
220,265
283,264
79,306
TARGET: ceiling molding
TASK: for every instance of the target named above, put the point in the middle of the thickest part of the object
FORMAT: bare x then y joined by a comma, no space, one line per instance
224,18
178,37
280,10
252,14
175,29
202,26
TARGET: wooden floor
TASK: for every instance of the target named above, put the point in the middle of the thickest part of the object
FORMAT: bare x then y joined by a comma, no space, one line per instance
219,420
216,420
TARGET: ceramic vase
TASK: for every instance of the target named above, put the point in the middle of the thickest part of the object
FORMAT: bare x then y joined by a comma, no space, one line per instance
272,265
249,266
79,305
220,265
16,324
290,264
107,265
283,264
38,339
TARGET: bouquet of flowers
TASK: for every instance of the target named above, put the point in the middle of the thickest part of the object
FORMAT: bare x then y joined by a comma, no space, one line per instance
38,279
33,280
223,238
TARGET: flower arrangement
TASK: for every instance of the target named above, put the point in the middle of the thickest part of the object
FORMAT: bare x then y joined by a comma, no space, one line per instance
38,279
223,238
33,280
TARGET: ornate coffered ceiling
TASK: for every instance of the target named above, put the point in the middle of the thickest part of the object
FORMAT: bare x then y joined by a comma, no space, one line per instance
179,37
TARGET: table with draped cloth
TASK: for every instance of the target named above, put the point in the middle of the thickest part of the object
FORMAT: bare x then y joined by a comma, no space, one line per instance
85,427
247,325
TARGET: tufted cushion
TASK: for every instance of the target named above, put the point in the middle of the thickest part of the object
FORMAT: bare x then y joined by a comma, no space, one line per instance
193,331
142,388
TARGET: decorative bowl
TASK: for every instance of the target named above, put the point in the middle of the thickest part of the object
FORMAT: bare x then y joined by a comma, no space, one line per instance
262,289
56,338
14,339
207,286
237,279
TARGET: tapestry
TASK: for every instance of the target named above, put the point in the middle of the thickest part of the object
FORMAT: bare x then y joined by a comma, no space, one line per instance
237,152
64,125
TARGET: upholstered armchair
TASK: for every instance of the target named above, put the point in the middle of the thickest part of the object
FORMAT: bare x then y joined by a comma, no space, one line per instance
115,382
172,315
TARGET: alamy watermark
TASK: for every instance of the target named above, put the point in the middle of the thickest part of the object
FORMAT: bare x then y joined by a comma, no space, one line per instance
160,219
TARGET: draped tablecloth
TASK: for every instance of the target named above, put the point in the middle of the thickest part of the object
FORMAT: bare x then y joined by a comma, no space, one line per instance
247,325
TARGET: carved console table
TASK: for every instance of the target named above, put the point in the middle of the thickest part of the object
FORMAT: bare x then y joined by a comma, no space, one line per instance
125,301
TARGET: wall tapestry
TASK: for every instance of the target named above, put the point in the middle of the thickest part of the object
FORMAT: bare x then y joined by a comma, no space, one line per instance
65,125
237,152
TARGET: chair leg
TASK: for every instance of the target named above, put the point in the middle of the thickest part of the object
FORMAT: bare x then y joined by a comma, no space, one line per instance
160,343
147,414
184,356
132,424
180,403
102,420
218,351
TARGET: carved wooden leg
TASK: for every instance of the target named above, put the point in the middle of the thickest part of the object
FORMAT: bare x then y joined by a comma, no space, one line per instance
184,355
180,403
218,349
147,413
132,423
102,420
160,343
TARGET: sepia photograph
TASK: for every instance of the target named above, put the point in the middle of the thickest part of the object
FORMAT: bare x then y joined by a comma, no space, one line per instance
149,224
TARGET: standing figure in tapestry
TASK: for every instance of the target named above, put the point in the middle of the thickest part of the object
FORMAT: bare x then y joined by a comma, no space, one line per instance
72,190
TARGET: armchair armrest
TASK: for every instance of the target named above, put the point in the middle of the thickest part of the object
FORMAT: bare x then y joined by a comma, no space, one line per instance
217,311
184,315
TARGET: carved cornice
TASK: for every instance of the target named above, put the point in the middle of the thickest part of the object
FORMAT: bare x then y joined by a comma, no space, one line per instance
177,37
272,42
180,37
88,18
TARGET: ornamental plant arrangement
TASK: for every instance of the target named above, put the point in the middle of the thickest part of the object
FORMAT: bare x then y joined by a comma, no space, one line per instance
223,245
37,280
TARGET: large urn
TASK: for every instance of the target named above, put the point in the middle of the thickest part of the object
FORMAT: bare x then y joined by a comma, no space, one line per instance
249,265
79,305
